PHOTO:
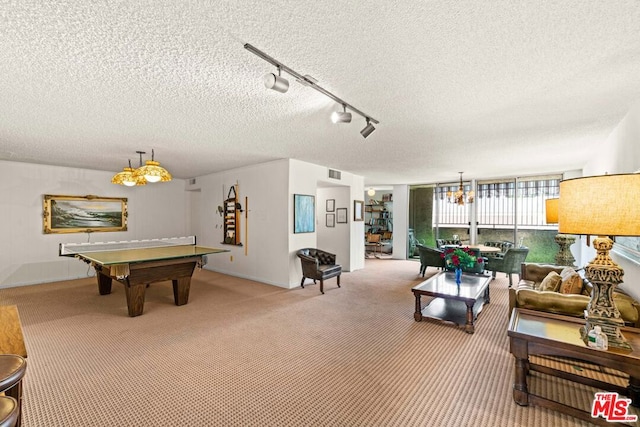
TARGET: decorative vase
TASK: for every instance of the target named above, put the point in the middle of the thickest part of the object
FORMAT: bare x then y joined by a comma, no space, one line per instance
458,275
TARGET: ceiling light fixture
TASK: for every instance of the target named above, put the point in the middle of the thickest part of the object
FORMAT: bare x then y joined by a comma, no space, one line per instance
459,197
152,171
277,83
371,192
271,82
127,177
368,129
341,116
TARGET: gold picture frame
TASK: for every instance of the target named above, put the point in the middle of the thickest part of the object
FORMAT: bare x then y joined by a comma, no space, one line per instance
83,214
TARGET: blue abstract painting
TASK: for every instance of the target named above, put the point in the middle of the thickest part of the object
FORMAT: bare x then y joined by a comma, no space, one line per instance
304,213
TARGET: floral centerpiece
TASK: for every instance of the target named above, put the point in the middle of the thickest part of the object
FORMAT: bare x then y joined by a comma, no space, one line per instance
460,257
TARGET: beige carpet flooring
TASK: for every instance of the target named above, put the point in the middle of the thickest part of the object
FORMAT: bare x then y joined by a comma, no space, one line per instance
241,353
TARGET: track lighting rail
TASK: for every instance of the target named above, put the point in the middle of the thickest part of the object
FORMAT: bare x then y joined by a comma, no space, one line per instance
307,81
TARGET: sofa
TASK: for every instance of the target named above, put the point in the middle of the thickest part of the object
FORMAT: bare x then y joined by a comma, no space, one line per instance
535,292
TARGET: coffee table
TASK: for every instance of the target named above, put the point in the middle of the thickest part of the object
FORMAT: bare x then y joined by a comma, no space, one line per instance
452,303
534,333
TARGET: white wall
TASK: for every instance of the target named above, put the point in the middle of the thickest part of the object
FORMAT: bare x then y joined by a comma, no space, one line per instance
333,239
29,256
262,192
400,221
307,178
268,253
619,154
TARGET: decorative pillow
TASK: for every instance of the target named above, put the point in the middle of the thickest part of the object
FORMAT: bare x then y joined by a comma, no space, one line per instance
551,282
571,282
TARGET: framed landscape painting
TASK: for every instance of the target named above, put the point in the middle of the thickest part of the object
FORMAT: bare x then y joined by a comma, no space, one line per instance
304,213
84,214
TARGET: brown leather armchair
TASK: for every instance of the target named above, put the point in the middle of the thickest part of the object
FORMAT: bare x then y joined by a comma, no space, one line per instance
527,294
318,265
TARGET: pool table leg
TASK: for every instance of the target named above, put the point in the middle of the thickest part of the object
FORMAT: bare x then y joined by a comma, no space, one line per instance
135,298
104,283
181,288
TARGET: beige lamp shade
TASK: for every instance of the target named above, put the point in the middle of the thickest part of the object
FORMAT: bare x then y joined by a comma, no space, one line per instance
551,210
606,205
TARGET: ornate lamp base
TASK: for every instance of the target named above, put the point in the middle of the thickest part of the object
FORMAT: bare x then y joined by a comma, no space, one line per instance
604,274
564,255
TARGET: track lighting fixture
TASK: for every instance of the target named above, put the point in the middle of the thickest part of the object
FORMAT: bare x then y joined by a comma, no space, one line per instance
341,116
368,129
277,83
280,84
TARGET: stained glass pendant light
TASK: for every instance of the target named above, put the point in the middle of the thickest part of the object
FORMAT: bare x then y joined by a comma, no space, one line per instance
152,171
127,177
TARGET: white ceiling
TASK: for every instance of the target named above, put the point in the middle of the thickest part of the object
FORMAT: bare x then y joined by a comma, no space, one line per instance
491,88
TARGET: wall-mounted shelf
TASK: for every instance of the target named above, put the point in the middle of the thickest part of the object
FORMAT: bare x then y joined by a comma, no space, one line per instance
231,211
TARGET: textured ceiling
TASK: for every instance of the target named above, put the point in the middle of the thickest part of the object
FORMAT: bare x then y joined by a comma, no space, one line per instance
492,88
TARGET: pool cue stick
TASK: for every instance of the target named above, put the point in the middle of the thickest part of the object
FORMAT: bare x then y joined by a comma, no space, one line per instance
246,225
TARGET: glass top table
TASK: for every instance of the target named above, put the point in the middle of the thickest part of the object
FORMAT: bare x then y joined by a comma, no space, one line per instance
457,304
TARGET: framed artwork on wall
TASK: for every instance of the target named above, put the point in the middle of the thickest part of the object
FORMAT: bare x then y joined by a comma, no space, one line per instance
358,210
331,205
341,214
84,214
331,220
304,213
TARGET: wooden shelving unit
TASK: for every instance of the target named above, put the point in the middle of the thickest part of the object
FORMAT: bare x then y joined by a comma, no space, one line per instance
232,211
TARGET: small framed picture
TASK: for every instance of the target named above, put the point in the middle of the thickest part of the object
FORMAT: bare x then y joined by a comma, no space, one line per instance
331,220
331,205
358,210
341,214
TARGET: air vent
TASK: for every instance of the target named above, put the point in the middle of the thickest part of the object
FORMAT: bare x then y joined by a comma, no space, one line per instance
334,174
192,181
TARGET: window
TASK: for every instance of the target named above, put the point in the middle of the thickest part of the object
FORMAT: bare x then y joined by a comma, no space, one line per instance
519,201
446,212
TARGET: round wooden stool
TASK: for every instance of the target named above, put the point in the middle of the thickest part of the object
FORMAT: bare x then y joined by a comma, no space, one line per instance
12,370
9,411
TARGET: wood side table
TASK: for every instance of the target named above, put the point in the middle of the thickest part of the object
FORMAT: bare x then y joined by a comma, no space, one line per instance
539,333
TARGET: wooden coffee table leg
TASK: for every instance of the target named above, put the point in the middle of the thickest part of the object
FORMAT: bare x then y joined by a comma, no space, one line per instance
468,327
418,314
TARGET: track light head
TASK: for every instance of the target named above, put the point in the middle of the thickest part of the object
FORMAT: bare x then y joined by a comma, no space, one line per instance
368,129
341,116
277,83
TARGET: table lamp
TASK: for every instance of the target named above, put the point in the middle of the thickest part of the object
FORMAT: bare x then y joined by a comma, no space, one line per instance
564,241
605,206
